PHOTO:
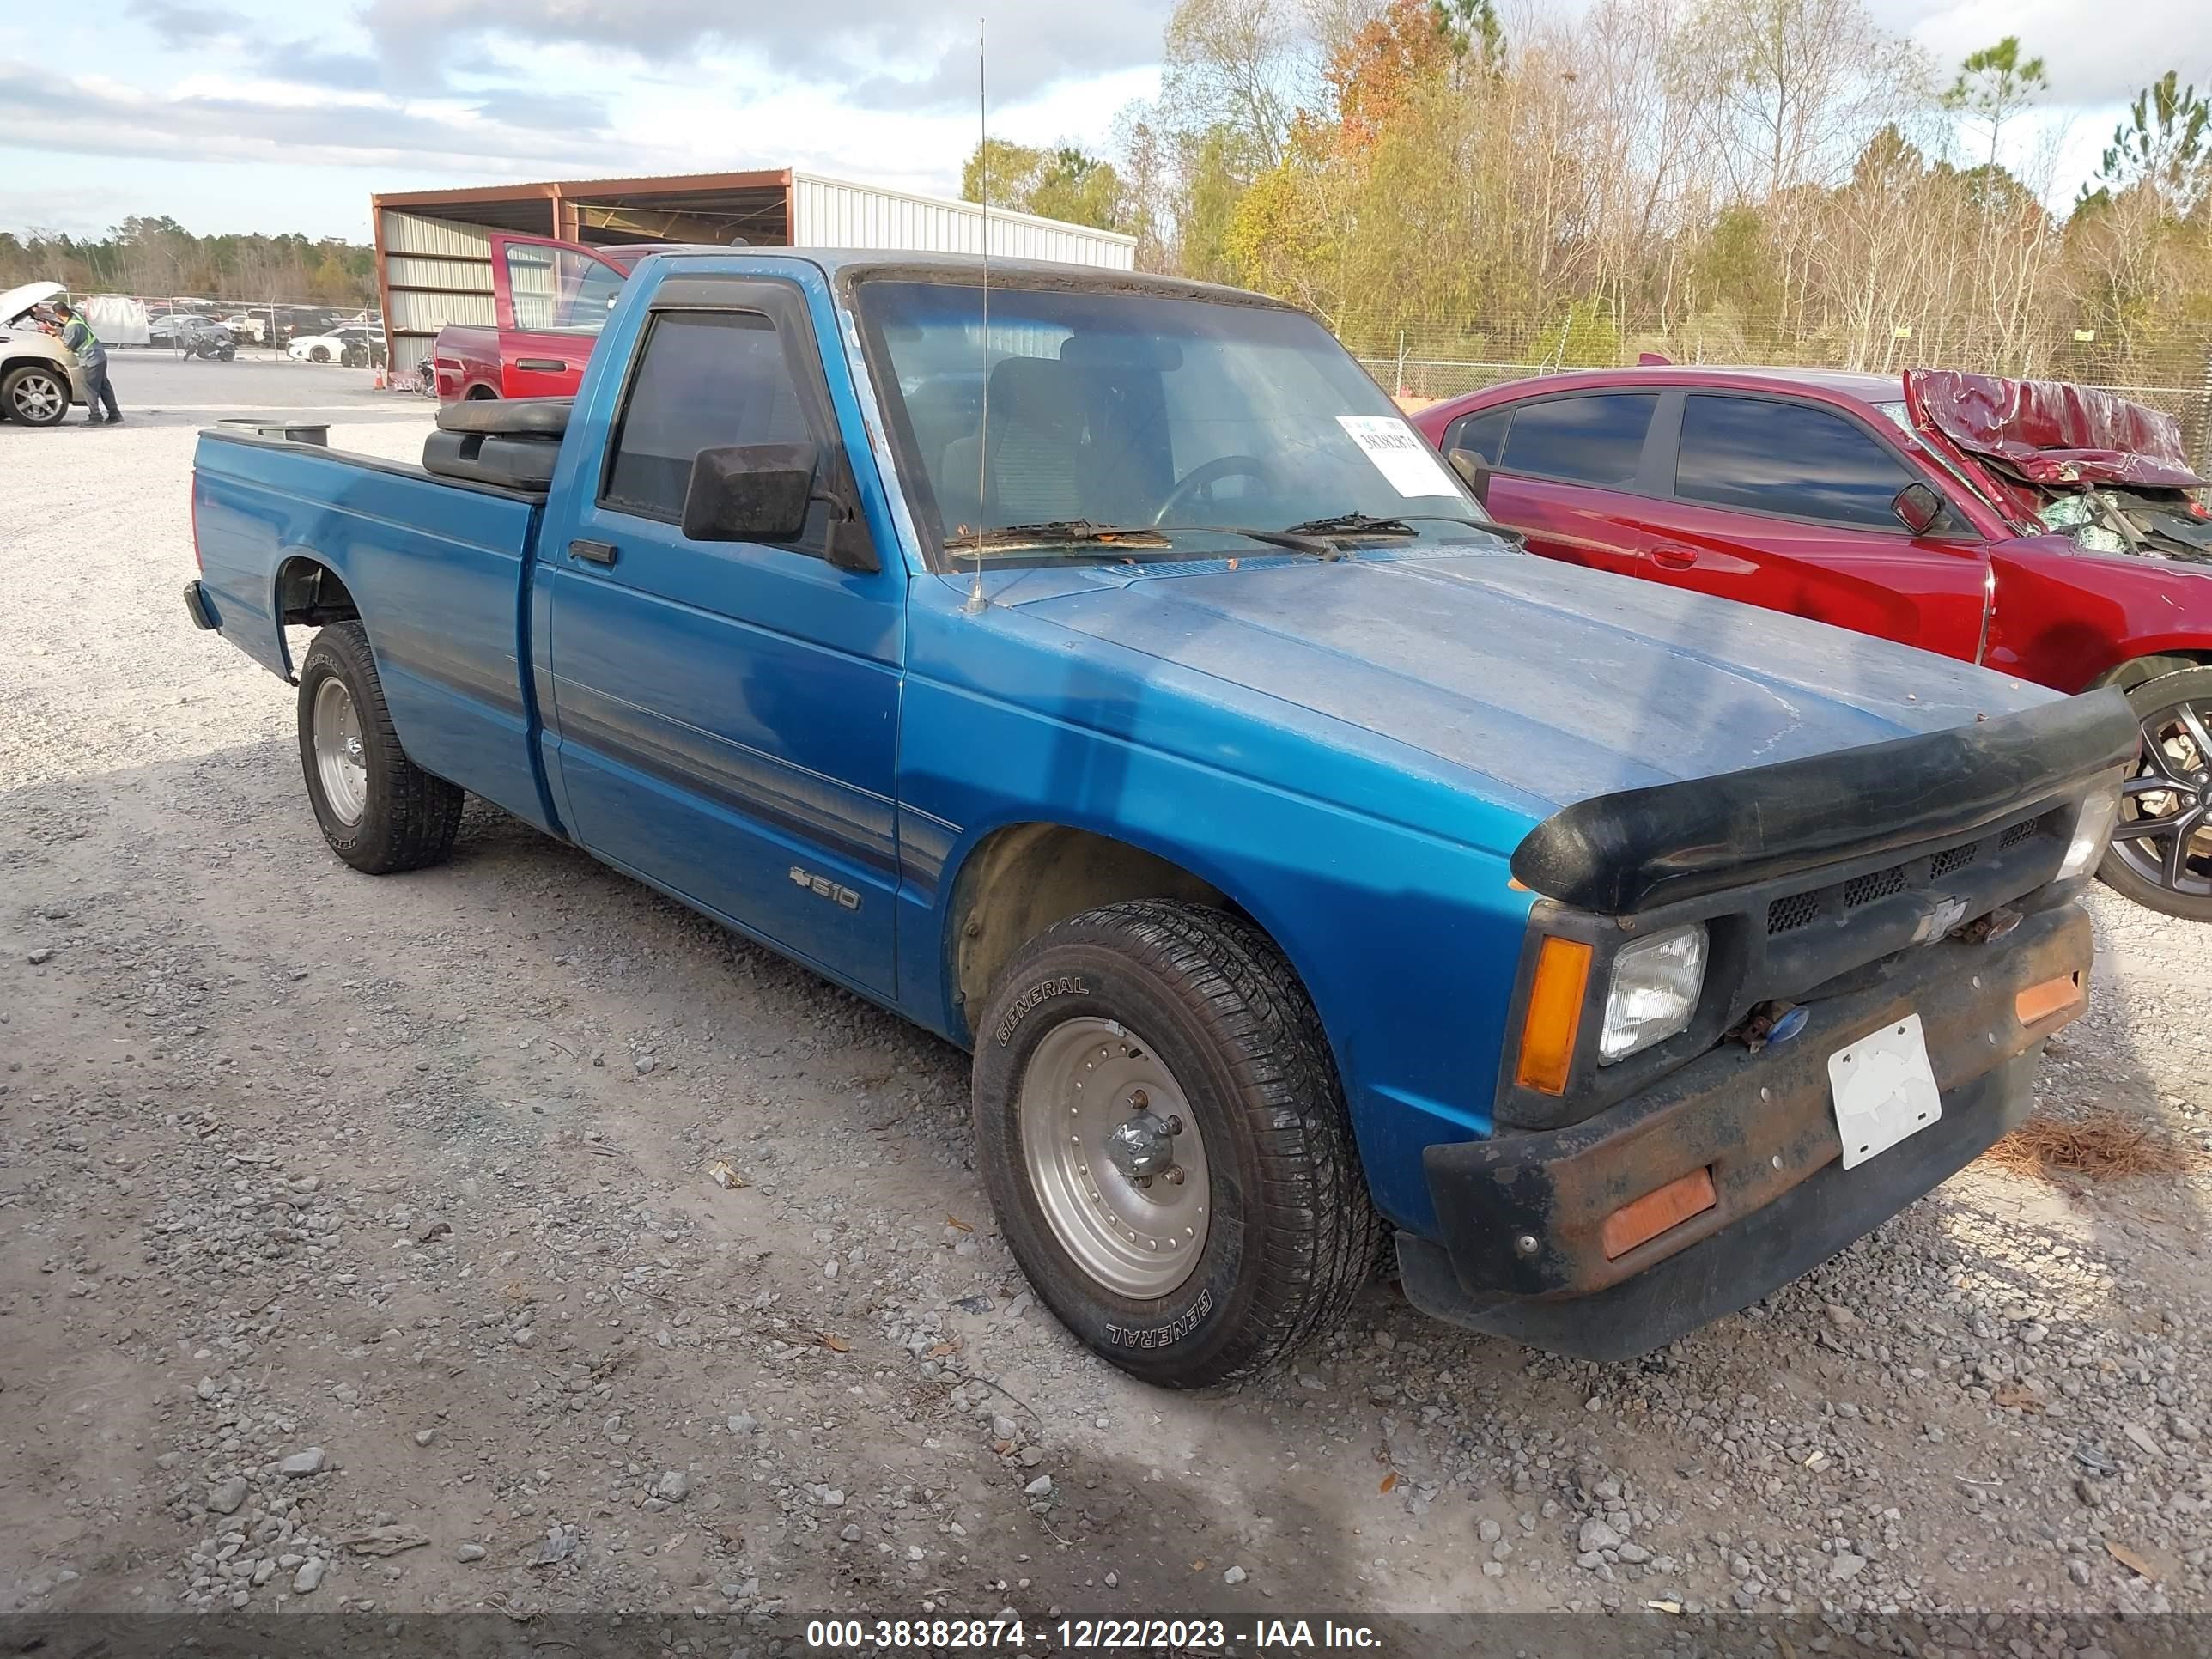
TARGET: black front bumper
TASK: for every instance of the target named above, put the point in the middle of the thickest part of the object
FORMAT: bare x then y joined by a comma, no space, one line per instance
199,607
1522,1253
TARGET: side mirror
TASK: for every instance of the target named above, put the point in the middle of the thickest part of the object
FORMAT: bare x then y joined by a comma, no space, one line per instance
761,493
750,493
1917,507
1473,473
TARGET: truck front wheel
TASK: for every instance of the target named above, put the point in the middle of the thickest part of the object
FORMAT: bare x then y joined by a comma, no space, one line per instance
379,811
2161,851
1164,1140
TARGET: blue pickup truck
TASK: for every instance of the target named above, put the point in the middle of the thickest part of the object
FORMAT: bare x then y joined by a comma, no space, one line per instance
1096,670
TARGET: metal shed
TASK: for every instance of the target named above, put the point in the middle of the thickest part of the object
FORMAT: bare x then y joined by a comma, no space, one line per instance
434,254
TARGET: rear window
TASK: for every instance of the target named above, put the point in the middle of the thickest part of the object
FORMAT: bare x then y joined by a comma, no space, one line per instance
1597,438
1785,458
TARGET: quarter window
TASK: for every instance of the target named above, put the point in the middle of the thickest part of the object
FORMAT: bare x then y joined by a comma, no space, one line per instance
1596,440
1482,436
1788,458
704,380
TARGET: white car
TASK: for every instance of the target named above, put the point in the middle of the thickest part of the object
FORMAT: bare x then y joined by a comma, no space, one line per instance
39,380
350,342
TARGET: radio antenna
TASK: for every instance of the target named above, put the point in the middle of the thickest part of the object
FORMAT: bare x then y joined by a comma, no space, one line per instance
975,600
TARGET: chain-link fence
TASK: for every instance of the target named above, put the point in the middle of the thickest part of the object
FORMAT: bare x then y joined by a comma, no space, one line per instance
2170,371
255,327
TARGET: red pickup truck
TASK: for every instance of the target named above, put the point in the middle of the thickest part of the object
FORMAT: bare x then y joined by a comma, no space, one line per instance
2048,530
551,299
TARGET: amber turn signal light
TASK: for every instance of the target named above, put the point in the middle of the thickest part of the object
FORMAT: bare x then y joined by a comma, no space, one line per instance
2051,997
1554,1016
1663,1208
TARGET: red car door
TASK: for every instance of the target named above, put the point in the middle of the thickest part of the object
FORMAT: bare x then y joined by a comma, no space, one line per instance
553,299
1789,504
1565,470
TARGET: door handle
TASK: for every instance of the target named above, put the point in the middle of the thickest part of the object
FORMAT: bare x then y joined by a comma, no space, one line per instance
1673,558
549,365
595,552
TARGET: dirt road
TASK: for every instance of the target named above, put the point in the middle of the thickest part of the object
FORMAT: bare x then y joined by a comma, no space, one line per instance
358,1245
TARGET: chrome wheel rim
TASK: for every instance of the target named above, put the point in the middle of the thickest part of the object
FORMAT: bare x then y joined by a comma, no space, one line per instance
1114,1157
2163,832
341,763
40,397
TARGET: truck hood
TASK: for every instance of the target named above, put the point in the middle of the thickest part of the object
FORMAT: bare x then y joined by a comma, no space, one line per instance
1555,682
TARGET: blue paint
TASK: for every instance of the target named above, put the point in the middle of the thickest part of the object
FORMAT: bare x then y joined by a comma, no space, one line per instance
1350,751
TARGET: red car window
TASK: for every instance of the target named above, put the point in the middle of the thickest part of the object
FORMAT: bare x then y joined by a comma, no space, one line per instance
1481,434
1789,458
1595,439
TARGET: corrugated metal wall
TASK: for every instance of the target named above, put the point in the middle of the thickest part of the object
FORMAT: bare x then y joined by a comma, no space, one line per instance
834,213
436,272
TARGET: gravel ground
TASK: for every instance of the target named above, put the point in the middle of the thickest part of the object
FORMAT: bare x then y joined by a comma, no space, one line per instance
360,1248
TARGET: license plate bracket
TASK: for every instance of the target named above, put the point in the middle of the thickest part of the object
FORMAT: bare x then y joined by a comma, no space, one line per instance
1884,1090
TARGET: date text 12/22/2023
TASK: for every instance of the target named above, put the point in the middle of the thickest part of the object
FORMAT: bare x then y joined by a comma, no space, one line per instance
1006,1630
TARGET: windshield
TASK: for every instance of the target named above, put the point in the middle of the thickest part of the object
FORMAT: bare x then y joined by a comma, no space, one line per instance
1138,409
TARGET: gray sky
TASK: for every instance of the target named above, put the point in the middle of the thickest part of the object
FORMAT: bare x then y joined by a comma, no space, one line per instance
265,115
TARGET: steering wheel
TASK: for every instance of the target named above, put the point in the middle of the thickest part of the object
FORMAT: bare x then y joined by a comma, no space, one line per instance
1207,476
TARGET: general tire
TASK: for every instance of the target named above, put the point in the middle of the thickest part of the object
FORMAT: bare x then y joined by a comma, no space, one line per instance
2148,699
35,394
410,817
1291,1235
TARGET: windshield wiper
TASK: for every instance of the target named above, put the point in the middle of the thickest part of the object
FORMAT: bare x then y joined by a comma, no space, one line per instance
1053,530
1140,535
1366,524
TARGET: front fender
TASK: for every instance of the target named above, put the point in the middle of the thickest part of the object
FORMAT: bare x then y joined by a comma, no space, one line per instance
1408,942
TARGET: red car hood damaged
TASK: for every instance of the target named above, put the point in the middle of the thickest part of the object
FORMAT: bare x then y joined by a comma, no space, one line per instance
2050,432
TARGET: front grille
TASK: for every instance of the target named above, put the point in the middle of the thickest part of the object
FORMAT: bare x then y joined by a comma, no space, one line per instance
1787,914
1954,858
1879,884
1793,911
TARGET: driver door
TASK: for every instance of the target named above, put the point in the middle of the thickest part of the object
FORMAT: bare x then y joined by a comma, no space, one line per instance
728,711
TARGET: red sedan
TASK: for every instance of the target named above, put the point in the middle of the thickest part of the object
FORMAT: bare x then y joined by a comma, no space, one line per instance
2049,531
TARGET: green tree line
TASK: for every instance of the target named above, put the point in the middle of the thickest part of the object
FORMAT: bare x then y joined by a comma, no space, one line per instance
1730,180
155,256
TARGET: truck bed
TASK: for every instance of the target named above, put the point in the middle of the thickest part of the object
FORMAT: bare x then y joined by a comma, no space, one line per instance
440,570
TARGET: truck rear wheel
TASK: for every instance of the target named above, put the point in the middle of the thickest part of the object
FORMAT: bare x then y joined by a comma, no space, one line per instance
379,811
2161,851
1164,1140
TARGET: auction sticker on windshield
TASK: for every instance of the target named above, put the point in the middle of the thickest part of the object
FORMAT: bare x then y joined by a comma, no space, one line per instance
1399,454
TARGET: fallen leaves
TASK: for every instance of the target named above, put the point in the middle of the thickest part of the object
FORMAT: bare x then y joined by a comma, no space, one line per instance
385,1540
1388,1481
2128,1559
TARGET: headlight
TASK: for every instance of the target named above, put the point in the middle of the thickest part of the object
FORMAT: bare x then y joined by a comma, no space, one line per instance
1654,991
2092,830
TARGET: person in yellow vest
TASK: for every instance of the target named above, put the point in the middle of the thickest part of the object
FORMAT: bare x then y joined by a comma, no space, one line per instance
77,339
